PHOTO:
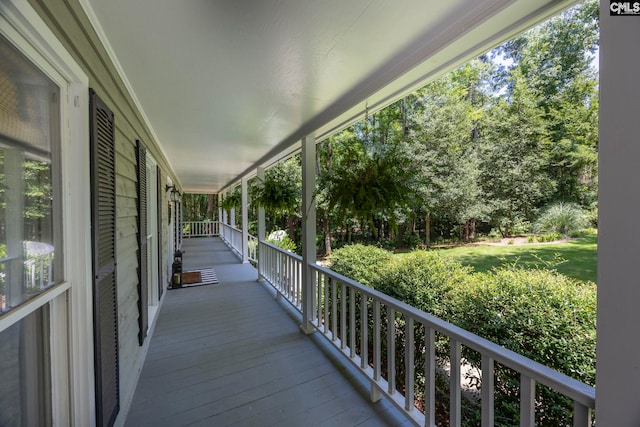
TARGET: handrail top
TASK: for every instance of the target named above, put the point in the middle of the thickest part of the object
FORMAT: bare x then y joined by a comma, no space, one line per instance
230,226
284,251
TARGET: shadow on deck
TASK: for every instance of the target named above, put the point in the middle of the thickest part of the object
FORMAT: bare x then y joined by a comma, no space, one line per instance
231,355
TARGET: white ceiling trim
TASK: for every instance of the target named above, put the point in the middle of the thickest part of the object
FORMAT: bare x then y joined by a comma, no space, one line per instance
97,27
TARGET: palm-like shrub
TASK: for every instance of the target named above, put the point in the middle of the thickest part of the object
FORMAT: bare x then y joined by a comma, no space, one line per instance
562,218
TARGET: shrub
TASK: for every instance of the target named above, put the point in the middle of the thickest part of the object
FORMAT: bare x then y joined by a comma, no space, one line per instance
359,262
592,217
561,218
422,279
540,314
281,239
549,237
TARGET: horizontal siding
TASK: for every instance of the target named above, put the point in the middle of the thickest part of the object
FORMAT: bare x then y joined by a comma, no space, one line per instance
68,22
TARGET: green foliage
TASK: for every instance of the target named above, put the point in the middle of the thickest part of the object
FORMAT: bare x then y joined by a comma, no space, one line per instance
423,279
540,314
513,162
443,149
361,263
549,237
199,207
280,191
534,311
282,241
233,199
562,218
592,217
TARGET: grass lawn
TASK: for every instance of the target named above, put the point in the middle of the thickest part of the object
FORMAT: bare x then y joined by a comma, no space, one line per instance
580,256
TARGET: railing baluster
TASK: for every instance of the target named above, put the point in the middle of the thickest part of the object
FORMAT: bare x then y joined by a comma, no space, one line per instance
429,377
527,401
319,299
375,392
454,384
487,390
343,316
581,415
376,340
288,276
294,279
334,309
391,350
364,330
299,283
352,322
409,364
327,285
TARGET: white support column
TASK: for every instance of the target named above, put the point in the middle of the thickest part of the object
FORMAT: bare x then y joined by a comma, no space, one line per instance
262,232
261,221
220,207
308,231
618,348
224,211
245,221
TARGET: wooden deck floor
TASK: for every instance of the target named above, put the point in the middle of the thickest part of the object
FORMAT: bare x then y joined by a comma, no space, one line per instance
231,355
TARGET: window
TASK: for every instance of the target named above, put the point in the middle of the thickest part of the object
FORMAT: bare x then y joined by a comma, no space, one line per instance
30,260
29,136
25,390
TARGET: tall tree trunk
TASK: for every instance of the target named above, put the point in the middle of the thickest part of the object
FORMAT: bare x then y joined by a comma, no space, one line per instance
400,236
210,212
291,228
327,234
472,236
427,229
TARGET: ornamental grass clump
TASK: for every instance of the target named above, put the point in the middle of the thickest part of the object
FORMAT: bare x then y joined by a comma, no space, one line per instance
563,218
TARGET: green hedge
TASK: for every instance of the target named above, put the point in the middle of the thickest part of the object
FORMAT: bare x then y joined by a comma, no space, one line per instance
423,279
540,314
360,263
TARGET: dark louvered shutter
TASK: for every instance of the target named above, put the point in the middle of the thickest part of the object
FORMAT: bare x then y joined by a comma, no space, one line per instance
143,307
160,191
103,239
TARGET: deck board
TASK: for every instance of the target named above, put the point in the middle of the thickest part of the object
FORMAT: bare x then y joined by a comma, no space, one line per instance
229,354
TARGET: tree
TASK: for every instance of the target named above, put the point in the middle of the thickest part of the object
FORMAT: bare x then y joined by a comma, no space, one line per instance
556,60
199,207
443,147
513,163
368,172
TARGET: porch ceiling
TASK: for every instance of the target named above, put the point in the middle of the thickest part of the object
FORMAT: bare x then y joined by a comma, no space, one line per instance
227,84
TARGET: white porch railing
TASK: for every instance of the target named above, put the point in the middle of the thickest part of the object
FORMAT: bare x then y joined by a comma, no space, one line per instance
233,238
361,322
200,229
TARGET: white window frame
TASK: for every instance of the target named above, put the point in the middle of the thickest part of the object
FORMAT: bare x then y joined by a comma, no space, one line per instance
70,302
153,258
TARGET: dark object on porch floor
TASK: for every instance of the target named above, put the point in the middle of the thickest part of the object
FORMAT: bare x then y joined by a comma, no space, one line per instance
205,276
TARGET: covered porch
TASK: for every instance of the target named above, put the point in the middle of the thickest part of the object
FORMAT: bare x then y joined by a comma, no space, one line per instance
231,354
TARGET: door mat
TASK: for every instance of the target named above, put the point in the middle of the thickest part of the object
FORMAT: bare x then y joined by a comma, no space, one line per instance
191,277
202,277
